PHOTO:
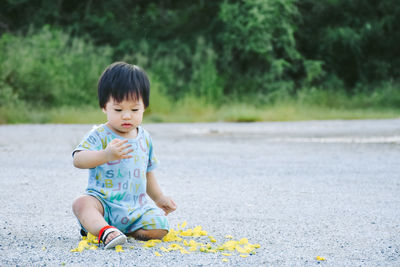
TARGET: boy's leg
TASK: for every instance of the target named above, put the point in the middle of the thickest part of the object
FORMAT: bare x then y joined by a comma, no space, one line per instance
144,235
90,214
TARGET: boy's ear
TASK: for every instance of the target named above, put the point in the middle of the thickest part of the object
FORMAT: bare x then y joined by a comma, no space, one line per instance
104,110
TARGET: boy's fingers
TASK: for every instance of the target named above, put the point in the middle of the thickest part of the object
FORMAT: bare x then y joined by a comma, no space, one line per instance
166,211
118,142
173,202
128,151
125,147
170,209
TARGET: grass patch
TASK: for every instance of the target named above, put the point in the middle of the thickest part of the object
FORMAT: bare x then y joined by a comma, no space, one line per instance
64,115
279,112
191,111
309,105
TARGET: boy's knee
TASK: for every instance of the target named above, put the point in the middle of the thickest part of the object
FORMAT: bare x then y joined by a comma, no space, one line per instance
84,202
78,204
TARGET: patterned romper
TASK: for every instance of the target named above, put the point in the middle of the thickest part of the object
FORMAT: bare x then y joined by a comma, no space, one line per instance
120,185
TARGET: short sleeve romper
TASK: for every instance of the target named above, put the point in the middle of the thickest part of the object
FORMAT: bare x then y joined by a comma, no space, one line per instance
120,185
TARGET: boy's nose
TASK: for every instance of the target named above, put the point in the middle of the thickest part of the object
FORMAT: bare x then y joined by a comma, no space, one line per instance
126,115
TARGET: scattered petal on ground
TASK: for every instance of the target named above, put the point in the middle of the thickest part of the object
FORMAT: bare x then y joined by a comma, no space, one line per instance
179,241
183,225
319,258
119,248
212,239
164,249
151,243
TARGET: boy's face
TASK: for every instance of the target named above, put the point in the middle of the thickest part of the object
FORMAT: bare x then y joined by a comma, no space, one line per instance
124,117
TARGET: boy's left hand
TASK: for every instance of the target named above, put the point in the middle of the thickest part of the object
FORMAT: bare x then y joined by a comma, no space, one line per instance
166,204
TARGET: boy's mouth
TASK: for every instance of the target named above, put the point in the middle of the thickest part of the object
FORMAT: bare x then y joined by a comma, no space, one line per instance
126,125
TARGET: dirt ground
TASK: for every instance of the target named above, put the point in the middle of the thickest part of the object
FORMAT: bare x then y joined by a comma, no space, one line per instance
299,189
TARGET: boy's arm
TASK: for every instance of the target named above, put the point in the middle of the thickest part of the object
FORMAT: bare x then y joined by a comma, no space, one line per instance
86,159
155,193
115,150
152,188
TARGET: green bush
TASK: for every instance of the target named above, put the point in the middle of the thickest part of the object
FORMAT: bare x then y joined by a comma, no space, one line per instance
259,47
262,47
51,68
205,81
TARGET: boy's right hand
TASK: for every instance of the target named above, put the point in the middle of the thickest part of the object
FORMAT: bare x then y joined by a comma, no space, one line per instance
118,149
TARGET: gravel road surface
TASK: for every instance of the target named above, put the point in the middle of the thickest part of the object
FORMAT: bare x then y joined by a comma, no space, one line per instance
299,189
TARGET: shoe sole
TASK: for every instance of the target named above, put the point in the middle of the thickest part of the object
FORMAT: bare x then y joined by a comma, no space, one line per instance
119,240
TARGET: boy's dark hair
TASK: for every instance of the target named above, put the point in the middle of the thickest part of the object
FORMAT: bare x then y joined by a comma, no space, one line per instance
120,81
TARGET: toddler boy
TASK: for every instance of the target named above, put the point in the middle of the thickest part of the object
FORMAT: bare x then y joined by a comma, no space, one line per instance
120,157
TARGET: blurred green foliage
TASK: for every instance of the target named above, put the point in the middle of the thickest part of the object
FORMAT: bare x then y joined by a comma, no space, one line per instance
358,40
259,51
50,68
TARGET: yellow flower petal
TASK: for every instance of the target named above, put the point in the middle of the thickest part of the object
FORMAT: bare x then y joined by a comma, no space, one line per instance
241,250
243,256
151,243
175,246
164,249
157,254
212,239
198,228
172,236
184,251
92,239
229,245
243,241
119,248
319,258
225,260
188,232
192,243
184,224
226,254
203,233
201,244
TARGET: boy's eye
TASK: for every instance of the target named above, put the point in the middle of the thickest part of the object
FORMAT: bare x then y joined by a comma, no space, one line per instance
118,110
135,109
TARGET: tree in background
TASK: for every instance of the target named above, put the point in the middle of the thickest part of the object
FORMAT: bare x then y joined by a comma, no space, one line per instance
358,41
212,49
